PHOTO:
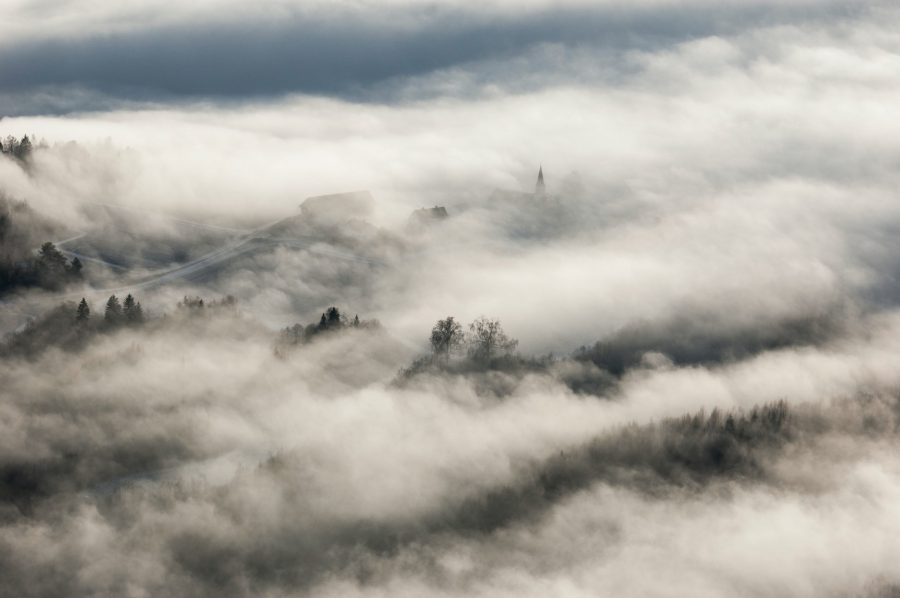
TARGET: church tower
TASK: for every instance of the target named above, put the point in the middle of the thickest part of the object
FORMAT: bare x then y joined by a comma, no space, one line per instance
539,188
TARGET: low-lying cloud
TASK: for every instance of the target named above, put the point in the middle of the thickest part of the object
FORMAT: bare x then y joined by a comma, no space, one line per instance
703,399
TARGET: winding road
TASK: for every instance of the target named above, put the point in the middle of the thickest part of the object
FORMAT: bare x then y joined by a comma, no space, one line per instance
248,241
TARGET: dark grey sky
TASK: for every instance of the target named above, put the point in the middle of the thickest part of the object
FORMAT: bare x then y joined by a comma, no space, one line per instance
359,55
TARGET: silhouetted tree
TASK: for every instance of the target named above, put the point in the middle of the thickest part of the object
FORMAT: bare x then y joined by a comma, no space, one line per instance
446,338
132,310
487,339
84,312
23,149
51,267
113,315
10,145
75,268
333,316
191,303
51,257
330,321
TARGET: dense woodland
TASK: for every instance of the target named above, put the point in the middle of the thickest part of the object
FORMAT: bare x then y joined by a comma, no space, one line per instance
49,269
27,259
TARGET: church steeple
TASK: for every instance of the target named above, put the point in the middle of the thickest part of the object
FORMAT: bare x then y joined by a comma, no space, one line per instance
539,188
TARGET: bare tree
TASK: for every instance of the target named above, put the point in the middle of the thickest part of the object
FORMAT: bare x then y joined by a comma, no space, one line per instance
446,338
487,340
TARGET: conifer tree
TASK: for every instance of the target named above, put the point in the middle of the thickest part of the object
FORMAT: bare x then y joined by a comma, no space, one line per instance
333,316
75,268
51,259
23,150
113,315
132,310
84,312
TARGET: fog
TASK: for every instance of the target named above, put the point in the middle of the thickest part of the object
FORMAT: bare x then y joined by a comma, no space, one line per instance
682,373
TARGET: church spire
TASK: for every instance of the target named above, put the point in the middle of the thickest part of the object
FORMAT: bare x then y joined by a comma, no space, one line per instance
539,188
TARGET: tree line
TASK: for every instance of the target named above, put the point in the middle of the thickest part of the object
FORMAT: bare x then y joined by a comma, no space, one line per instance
117,313
197,306
20,149
677,453
331,321
70,326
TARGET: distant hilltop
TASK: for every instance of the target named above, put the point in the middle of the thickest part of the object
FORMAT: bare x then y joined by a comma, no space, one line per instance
339,207
424,217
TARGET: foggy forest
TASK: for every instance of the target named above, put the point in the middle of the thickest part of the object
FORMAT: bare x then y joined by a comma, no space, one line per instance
431,298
